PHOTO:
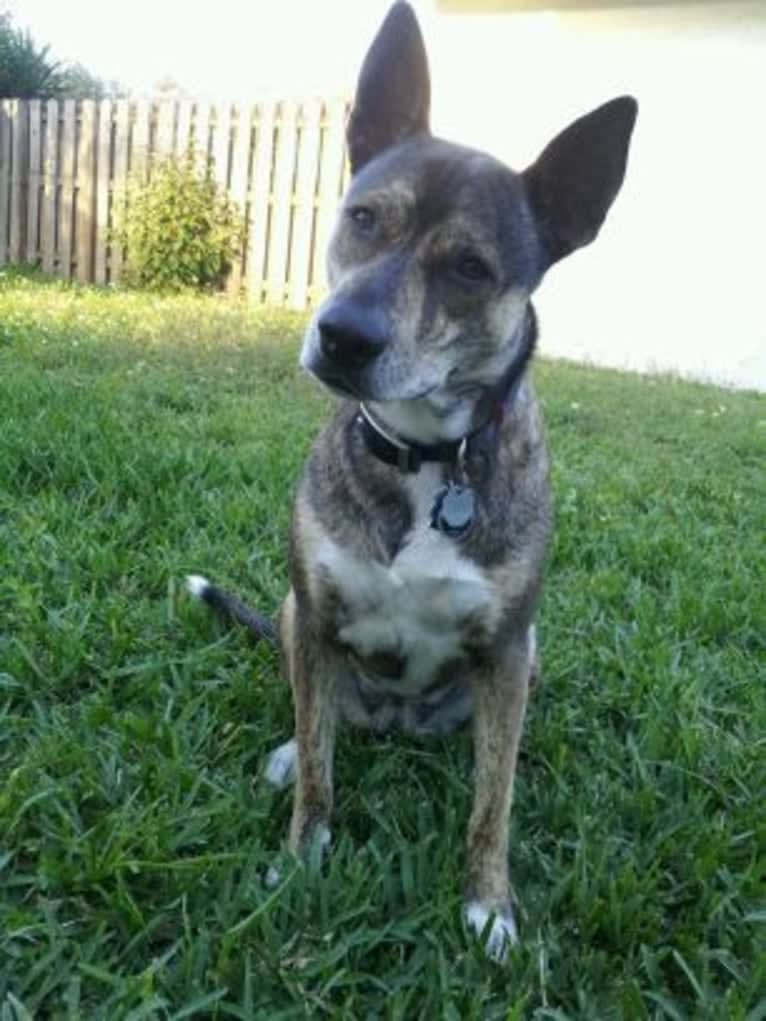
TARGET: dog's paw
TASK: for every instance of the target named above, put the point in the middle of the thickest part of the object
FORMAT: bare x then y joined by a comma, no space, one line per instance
316,849
499,936
281,764
273,878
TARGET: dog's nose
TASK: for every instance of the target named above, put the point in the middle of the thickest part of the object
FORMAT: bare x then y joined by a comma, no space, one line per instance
351,336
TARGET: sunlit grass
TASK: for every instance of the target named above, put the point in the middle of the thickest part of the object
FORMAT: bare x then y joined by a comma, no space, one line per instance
143,438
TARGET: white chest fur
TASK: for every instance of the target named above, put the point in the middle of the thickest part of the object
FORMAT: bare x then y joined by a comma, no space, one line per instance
417,609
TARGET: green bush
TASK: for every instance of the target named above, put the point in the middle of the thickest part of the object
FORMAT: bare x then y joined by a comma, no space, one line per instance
178,228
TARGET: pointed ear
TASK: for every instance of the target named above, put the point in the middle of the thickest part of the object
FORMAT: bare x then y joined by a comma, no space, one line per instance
574,182
393,94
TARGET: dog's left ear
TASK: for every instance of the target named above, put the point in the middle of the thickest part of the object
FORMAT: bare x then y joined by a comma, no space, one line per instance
575,180
393,94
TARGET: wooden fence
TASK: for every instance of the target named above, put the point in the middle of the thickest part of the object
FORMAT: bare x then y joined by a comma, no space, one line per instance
64,166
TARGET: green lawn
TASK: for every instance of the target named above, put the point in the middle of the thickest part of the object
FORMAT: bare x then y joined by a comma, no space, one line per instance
144,438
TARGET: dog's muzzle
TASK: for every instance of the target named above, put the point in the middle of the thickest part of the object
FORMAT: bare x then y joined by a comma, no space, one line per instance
351,336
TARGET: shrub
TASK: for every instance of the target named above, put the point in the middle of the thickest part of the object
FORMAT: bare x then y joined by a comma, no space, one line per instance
179,229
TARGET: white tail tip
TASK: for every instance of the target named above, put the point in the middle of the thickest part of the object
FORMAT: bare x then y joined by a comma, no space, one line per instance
197,585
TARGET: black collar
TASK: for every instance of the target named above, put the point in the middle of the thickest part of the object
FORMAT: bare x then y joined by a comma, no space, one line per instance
403,454
408,456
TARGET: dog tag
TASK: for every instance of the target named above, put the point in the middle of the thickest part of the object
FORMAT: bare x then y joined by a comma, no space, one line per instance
453,510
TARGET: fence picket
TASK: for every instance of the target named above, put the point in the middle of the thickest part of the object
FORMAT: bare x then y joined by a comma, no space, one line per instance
120,163
35,181
282,204
184,127
102,173
66,192
240,150
85,191
19,166
330,178
164,141
220,149
260,201
201,135
139,149
50,186
5,175
305,203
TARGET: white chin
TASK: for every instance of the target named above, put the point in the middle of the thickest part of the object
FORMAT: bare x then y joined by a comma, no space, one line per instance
422,420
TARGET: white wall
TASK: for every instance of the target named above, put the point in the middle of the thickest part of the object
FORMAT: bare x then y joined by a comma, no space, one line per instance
677,279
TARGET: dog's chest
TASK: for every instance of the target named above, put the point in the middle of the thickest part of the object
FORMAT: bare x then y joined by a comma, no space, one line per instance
408,623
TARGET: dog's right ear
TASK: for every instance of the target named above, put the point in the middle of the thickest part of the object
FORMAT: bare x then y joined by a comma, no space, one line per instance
393,94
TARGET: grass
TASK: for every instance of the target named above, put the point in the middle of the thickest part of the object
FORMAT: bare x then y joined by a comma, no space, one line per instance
143,438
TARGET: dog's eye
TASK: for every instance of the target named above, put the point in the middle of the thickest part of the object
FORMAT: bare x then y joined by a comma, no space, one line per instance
364,218
473,269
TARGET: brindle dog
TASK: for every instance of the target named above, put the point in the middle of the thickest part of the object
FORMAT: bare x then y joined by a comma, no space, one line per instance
421,523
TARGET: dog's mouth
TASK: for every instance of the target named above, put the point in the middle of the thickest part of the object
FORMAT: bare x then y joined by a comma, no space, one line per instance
337,382
345,389
351,386
366,382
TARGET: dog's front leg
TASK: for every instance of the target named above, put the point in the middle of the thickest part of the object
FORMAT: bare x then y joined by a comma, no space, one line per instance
500,699
313,676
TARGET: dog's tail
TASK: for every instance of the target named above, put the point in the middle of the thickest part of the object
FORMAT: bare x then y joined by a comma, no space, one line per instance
232,608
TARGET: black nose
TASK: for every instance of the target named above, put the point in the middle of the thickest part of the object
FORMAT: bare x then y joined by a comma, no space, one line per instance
351,335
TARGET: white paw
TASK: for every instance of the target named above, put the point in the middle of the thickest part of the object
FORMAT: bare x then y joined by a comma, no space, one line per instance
321,838
281,764
273,878
501,934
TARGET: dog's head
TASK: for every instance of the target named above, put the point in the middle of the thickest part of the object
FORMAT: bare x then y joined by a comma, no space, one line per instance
438,248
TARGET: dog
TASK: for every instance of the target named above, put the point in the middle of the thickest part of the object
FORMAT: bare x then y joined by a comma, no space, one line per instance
421,524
